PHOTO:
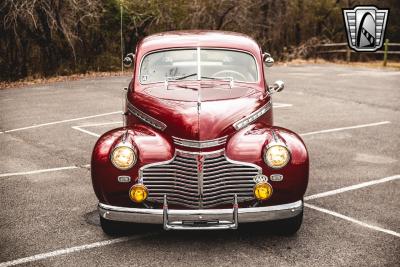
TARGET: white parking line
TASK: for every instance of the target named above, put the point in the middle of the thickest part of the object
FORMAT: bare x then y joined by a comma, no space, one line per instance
71,250
347,218
115,122
85,131
123,239
79,128
100,124
58,122
352,187
276,105
346,128
38,171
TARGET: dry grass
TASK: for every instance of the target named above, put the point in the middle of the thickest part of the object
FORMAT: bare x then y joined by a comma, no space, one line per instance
34,81
370,64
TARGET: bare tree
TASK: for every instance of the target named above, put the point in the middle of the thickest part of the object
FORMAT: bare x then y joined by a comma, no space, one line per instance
43,32
47,37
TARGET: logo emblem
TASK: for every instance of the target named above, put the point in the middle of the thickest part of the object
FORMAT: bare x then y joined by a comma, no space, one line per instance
200,163
365,26
260,178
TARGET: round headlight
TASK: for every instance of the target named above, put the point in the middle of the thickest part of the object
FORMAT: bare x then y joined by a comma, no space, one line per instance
277,156
123,157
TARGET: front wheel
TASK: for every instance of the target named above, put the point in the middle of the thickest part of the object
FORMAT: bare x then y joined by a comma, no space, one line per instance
112,228
289,226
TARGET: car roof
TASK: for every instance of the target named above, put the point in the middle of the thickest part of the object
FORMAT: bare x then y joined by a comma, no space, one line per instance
198,38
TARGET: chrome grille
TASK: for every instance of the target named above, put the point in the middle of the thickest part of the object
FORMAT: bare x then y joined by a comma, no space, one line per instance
179,180
200,144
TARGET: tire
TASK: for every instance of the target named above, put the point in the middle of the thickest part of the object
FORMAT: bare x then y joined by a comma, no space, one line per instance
290,226
112,228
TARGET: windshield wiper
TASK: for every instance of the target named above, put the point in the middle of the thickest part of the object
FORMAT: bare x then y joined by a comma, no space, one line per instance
203,77
186,76
211,78
230,79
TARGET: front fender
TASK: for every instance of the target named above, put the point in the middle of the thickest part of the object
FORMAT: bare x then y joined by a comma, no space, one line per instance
248,146
150,145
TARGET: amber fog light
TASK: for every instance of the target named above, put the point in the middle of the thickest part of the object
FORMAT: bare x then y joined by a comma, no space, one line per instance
262,191
138,193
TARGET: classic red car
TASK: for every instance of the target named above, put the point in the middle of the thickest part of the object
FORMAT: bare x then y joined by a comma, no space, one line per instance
198,149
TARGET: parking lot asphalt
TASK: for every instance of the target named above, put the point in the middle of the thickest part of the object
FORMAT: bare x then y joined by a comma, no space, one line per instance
349,118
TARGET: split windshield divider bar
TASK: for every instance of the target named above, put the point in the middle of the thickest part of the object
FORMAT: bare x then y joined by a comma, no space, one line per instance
199,77
198,64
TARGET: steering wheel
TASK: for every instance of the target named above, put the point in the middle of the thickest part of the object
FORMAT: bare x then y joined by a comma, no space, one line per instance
235,73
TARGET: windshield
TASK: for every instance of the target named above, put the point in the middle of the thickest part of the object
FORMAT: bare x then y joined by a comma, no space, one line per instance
196,64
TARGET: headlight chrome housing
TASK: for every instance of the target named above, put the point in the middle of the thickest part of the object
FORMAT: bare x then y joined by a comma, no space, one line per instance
123,157
277,156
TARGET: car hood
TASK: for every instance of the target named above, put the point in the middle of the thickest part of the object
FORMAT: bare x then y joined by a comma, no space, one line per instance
189,115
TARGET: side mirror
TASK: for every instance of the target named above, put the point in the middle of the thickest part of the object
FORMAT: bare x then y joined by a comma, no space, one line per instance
276,87
268,60
128,60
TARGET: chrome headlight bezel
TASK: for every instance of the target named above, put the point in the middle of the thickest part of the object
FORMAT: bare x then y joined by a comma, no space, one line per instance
127,148
269,149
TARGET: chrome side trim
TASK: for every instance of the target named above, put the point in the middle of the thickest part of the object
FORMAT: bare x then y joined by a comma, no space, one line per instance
145,117
155,216
199,144
252,117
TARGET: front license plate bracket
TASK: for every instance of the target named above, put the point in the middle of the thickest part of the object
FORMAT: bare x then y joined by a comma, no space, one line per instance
213,224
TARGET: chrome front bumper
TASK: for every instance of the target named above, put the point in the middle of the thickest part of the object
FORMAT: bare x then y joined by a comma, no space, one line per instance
200,218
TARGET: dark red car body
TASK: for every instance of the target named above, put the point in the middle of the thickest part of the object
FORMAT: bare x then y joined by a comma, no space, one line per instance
179,112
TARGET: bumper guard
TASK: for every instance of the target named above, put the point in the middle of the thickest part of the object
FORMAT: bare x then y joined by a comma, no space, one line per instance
199,219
